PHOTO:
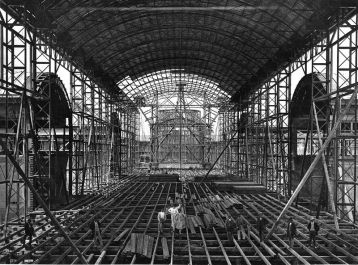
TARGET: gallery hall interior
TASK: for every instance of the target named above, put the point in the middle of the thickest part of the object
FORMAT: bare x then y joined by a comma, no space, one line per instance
179,132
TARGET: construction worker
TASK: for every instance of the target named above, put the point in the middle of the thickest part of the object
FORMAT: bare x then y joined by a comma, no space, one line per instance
261,226
96,233
178,200
248,225
180,223
29,231
291,231
162,217
240,227
230,227
313,229
173,212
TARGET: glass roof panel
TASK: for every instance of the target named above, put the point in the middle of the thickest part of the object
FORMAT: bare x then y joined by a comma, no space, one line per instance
166,83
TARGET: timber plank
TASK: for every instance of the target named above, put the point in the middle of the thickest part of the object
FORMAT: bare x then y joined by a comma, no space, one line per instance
133,242
165,248
150,247
145,245
191,226
121,235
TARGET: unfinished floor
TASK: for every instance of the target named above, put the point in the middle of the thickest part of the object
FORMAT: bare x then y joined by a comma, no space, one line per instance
128,212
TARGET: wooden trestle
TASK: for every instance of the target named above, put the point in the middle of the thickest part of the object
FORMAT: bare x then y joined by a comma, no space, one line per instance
128,211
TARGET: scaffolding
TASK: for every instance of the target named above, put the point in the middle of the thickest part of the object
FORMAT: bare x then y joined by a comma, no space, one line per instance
278,144
228,127
69,141
95,137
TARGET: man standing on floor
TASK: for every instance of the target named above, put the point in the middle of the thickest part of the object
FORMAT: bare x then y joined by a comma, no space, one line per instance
162,217
96,233
180,222
240,227
261,226
29,231
173,212
230,227
291,231
313,229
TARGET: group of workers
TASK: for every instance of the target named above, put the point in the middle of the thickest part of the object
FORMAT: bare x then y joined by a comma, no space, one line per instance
238,225
177,216
178,223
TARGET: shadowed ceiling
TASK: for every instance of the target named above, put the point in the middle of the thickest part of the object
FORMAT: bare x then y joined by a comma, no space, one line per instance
234,43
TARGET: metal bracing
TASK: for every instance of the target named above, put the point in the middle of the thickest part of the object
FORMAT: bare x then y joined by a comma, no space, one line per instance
115,157
336,115
333,79
128,122
41,201
263,138
13,73
314,163
41,160
228,123
345,145
185,82
96,134
321,78
283,84
269,122
67,140
77,105
256,139
276,96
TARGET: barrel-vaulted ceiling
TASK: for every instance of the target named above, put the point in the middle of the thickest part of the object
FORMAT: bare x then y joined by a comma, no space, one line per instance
235,43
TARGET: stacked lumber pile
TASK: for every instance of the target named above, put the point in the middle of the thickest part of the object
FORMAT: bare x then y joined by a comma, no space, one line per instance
140,244
208,218
218,203
229,202
204,211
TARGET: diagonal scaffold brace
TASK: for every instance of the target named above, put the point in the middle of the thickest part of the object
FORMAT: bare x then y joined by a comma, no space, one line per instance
42,203
219,156
314,162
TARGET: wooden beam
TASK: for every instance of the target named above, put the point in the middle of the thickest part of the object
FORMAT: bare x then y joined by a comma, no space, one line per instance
242,252
325,168
222,247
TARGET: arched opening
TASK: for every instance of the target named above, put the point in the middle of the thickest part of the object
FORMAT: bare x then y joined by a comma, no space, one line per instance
181,110
52,114
309,105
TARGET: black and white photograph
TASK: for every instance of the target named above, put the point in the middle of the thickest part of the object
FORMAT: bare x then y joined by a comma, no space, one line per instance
179,132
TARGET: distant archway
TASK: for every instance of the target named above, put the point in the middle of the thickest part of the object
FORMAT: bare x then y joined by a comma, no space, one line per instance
302,100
